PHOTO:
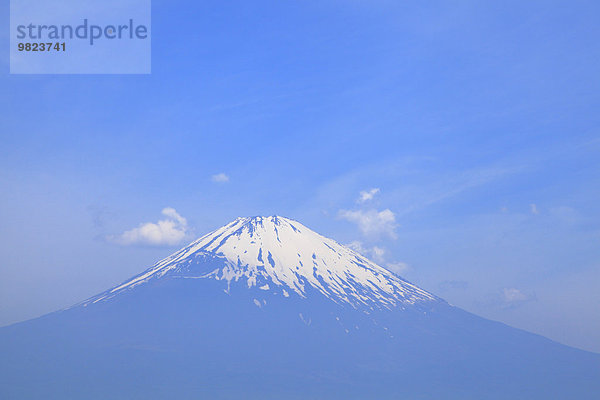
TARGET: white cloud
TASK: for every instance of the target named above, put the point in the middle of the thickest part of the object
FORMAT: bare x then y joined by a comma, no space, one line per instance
378,254
534,209
172,214
169,231
220,178
514,297
398,267
375,253
358,247
367,195
372,222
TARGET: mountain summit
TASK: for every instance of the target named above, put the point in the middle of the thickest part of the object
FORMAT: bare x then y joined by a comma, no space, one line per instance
283,256
265,308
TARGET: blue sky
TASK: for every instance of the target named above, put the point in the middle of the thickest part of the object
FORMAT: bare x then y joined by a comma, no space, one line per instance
477,122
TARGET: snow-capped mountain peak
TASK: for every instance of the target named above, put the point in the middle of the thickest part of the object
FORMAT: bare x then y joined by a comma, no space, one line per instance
279,254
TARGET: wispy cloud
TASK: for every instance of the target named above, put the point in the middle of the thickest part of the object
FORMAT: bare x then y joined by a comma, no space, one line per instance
422,183
220,178
372,223
367,195
534,209
512,297
378,254
447,186
169,231
375,253
399,268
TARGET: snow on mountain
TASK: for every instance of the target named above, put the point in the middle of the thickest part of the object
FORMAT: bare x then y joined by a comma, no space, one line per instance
280,254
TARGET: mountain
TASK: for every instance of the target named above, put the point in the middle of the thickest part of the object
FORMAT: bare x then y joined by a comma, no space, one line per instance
265,308
282,256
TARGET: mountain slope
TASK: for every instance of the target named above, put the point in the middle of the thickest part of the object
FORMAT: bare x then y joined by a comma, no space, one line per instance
276,253
264,308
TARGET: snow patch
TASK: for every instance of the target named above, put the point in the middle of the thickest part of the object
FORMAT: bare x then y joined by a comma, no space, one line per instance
306,321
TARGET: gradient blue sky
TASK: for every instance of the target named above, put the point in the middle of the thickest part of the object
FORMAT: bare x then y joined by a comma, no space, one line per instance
478,122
